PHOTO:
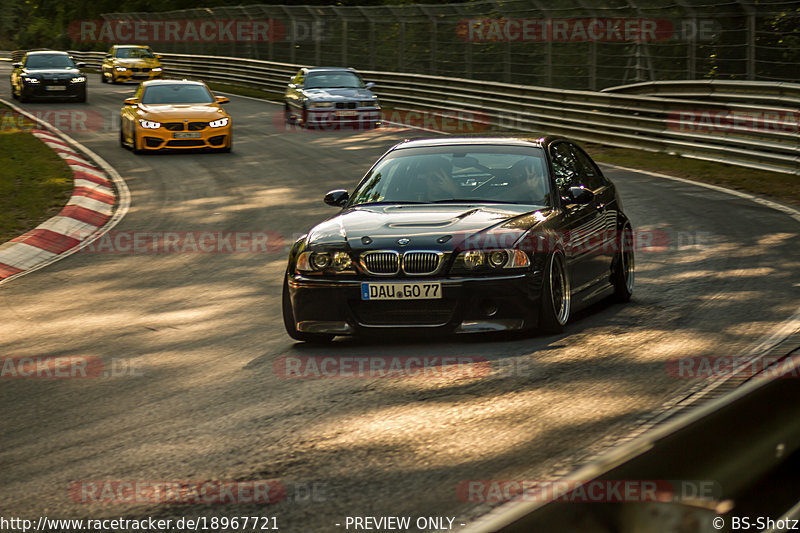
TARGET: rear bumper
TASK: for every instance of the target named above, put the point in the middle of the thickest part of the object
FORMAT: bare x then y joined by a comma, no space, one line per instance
468,305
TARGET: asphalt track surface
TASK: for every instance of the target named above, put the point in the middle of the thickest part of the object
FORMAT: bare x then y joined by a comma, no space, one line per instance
202,331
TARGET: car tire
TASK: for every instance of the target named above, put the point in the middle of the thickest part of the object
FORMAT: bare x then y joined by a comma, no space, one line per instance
304,118
289,322
556,300
103,78
82,97
623,268
122,139
287,114
22,97
13,93
135,143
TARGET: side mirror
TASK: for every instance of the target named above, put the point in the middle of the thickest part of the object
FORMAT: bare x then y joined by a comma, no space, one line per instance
16,65
370,84
337,197
130,101
223,99
80,65
108,56
579,195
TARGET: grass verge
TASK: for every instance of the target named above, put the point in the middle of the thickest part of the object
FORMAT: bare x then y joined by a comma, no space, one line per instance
35,183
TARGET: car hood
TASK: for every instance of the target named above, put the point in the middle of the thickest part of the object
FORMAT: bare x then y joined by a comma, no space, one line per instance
338,94
424,225
144,62
166,112
51,72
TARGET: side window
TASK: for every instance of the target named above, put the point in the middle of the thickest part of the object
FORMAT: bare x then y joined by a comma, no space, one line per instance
591,177
565,167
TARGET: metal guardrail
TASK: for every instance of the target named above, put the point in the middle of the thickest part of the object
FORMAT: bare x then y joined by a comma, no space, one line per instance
701,129
736,442
750,92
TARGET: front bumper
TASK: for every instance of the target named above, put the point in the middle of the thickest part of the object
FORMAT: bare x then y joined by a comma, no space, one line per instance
136,74
327,117
161,138
468,305
54,90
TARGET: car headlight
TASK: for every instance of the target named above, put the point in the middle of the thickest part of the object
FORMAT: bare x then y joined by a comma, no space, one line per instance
157,69
79,79
149,124
30,80
369,103
337,262
491,260
218,123
320,104
121,69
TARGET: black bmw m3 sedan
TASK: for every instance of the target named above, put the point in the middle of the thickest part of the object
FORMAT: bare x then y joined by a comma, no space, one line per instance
460,235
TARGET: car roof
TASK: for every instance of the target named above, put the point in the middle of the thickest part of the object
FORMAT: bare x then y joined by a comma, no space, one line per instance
337,69
484,141
130,46
150,83
46,52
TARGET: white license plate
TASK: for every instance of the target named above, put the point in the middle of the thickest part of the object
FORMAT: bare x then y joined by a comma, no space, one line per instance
55,88
187,135
347,113
401,291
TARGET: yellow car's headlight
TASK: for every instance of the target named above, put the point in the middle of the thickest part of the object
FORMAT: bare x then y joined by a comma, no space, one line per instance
120,69
157,69
218,123
149,124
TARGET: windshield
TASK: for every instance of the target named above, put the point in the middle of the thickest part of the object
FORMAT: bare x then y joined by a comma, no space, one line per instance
134,53
330,80
177,94
502,174
49,61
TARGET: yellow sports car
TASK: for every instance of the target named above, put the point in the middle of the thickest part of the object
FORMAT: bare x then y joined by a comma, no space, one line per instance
173,114
131,63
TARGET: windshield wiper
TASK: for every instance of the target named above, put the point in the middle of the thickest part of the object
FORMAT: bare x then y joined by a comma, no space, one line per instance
472,201
385,202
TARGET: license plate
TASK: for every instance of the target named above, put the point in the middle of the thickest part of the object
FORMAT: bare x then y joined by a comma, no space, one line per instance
187,135
347,113
55,88
401,291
